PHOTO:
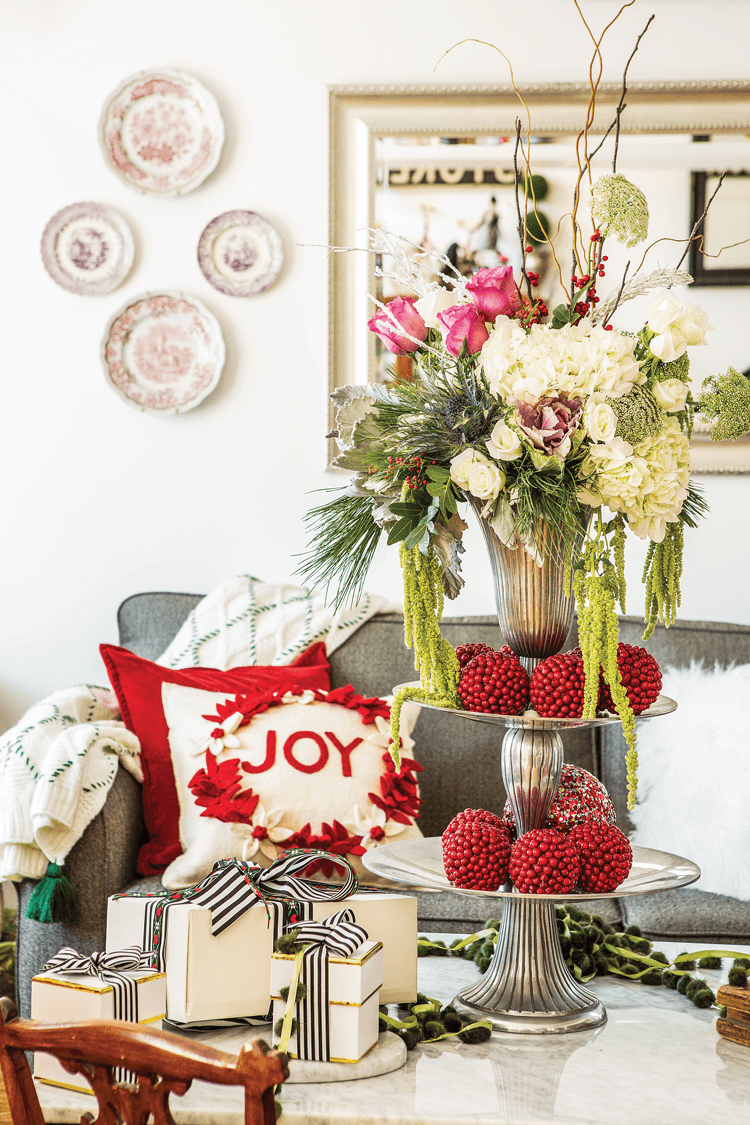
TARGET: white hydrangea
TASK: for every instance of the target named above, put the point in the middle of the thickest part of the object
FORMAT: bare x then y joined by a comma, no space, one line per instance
574,361
647,482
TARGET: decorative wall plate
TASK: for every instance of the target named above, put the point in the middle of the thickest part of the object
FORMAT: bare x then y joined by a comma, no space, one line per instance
162,132
240,253
163,352
87,249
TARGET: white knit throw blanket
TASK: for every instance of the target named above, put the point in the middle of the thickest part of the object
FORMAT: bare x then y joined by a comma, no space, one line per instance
58,763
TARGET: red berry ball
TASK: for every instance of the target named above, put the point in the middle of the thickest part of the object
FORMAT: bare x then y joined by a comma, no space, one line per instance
494,683
506,650
556,687
544,862
469,816
468,651
640,676
580,796
476,853
606,855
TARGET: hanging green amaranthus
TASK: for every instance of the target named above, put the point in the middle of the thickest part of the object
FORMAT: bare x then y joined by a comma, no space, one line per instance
434,658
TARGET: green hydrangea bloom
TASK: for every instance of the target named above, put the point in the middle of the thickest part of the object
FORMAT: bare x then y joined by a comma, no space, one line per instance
677,369
725,404
639,415
620,208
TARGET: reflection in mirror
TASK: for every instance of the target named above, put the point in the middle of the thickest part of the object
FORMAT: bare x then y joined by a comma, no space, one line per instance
427,162
453,199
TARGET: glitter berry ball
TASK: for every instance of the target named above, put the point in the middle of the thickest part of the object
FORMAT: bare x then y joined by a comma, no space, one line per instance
556,687
606,855
580,796
641,678
476,853
544,862
495,683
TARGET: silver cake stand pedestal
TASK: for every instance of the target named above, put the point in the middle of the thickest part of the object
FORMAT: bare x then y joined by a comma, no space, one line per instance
527,987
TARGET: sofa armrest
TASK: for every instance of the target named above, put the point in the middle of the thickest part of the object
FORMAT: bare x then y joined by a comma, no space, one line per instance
100,865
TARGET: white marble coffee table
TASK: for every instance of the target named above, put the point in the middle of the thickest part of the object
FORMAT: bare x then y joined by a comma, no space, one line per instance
658,1060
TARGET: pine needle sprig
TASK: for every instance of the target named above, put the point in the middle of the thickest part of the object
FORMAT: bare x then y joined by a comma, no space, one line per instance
343,538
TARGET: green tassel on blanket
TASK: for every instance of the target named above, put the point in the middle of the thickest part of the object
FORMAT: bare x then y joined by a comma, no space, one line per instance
53,898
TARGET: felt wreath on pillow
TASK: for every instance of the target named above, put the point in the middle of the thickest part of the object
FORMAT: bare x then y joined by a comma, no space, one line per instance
286,768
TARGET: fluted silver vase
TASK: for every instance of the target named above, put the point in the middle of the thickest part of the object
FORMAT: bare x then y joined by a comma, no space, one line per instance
527,987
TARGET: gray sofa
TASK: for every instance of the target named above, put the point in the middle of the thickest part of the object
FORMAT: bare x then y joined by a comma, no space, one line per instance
461,769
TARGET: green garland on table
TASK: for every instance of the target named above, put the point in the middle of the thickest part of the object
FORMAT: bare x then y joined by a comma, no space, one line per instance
593,948
429,1020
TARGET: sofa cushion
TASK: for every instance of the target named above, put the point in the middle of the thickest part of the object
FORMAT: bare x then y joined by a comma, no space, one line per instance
138,685
258,774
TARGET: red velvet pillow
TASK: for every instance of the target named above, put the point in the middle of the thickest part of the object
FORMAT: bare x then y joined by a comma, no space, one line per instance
137,684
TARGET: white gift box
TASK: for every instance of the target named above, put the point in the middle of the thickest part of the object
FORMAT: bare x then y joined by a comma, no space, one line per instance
228,976
353,999
61,997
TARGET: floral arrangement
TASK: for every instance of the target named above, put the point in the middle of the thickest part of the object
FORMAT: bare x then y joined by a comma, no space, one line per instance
561,430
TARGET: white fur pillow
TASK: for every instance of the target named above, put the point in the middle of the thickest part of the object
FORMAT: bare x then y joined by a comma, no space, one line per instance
256,774
693,782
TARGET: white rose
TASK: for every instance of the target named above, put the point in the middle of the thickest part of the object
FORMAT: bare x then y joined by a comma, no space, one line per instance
694,325
677,326
486,480
461,466
437,300
600,419
671,394
504,443
665,310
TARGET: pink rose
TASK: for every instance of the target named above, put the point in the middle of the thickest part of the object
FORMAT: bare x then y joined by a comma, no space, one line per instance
494,292
399,313
550,423
459,323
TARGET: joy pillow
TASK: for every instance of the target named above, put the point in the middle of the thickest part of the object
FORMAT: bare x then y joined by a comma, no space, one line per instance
138,686
256,775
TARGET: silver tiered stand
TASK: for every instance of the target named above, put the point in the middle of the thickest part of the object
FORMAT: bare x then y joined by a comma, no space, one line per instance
527,987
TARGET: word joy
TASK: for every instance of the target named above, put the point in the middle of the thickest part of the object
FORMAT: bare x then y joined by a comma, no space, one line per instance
304,767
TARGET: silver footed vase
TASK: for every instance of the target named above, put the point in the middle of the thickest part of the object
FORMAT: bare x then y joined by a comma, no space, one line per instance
527,987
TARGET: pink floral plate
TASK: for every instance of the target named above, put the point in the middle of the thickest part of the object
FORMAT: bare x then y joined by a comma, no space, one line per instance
87,249
163,352
162,132
240,253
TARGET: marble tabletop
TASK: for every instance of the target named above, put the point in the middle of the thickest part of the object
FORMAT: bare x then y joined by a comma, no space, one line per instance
657,1060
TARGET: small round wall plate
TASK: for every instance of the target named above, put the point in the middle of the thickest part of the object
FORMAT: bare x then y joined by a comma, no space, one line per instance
163,352
240,253
161,132
88,249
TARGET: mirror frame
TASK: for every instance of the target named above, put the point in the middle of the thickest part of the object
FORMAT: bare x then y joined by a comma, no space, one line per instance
359,115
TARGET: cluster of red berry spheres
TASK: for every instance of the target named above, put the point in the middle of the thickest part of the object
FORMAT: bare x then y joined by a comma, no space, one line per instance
498,684
580,848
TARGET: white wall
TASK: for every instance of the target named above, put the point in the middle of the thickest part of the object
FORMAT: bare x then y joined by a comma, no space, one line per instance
99,501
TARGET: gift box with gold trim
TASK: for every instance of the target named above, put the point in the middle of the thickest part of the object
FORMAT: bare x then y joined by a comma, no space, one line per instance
61,997
227,976
354,997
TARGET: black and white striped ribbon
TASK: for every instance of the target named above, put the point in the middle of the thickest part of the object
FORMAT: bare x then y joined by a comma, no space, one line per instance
232,887
339,934
113,968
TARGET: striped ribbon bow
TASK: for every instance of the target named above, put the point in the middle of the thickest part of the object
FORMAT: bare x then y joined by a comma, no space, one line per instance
233,886
112,968
339,934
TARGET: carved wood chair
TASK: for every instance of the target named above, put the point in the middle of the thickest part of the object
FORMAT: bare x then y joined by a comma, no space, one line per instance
164,1064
